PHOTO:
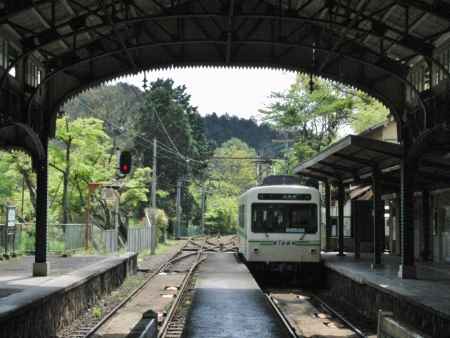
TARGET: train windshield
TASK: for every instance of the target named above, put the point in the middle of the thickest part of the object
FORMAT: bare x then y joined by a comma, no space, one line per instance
284,218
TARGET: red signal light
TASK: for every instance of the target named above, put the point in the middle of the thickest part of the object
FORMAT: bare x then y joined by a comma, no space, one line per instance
125,162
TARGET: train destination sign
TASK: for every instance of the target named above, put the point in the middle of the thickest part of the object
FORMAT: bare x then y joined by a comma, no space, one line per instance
285,197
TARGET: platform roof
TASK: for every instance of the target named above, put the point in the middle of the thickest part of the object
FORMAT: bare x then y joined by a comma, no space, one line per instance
354,159
351,159
369,44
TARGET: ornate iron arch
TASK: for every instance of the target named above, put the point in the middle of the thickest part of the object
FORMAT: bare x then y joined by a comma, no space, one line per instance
361,43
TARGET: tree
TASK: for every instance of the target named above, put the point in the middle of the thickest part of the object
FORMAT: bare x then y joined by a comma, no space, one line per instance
312,118
168,115
78,155
18,177
259,136
368,112
118,106
227,179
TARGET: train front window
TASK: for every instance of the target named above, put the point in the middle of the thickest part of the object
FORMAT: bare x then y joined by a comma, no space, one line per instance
284,218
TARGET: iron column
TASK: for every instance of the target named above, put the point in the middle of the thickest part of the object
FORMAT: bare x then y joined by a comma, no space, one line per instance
407,268
327,213
341,201
154,178
378,221
40,267
426,225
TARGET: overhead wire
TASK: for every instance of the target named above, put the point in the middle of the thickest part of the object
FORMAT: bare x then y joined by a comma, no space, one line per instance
174,151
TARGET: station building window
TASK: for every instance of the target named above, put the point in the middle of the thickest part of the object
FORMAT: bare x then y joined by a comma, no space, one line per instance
12,57
33,74
348,233
420,77
444,59
3,53
8,56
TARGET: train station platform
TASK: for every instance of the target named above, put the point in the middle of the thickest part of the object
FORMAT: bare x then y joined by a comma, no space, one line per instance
424,303
34,307
228,303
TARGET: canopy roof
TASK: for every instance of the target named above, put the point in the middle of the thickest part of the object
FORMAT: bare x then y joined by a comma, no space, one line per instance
355,159
368,44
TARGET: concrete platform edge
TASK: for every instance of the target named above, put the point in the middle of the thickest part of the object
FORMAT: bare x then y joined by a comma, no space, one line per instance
364,281
68,294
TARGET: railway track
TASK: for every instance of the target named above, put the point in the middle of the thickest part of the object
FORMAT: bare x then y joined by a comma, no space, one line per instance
185,259
324,310
291,329
173,326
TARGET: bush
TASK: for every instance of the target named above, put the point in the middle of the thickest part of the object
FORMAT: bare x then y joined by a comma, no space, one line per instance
162,224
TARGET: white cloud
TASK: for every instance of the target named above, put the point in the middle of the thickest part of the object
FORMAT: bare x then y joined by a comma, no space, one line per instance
240,92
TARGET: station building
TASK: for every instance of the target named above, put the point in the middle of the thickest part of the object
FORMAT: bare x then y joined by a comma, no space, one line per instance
431,216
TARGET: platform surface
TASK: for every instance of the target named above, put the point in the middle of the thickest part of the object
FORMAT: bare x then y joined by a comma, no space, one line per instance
18,288
431,288
228,303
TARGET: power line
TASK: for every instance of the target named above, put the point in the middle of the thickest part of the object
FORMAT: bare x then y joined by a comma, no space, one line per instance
167,133
174,151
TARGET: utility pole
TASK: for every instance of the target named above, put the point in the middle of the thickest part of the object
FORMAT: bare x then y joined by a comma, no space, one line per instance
153,230
116,219
258,170
203,205
178,208
286,150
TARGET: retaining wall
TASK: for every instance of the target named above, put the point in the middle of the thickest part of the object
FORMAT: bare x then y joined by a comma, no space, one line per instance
367,300
39,311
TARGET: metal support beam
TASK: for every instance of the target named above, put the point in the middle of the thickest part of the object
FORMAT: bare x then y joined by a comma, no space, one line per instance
426,225
378,221
356,231
407,268
41,267
341,202
327,214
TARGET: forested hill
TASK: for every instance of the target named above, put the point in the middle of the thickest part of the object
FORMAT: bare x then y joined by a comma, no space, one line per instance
118,104
220,129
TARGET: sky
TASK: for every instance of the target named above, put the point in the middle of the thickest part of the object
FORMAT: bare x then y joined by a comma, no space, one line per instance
240,92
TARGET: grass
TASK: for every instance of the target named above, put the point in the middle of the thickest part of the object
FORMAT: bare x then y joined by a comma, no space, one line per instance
164,247
97,312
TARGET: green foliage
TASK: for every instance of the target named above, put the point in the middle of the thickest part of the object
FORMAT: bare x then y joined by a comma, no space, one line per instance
79,154
168,115
228,179
220,129
17,177
97,312
135,190
162,224
117,105
368,112
314,118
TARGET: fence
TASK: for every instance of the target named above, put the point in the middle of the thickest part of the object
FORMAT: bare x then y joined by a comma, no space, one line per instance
190,231
139,239
105,241
72,237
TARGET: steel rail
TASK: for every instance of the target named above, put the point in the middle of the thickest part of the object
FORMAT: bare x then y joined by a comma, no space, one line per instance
282,317
162,267
177,302
347,322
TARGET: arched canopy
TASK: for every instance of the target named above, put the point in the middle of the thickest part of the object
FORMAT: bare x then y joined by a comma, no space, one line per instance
22,137
367,44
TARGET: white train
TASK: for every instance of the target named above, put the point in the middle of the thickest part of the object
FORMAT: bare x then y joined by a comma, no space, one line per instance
279,224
